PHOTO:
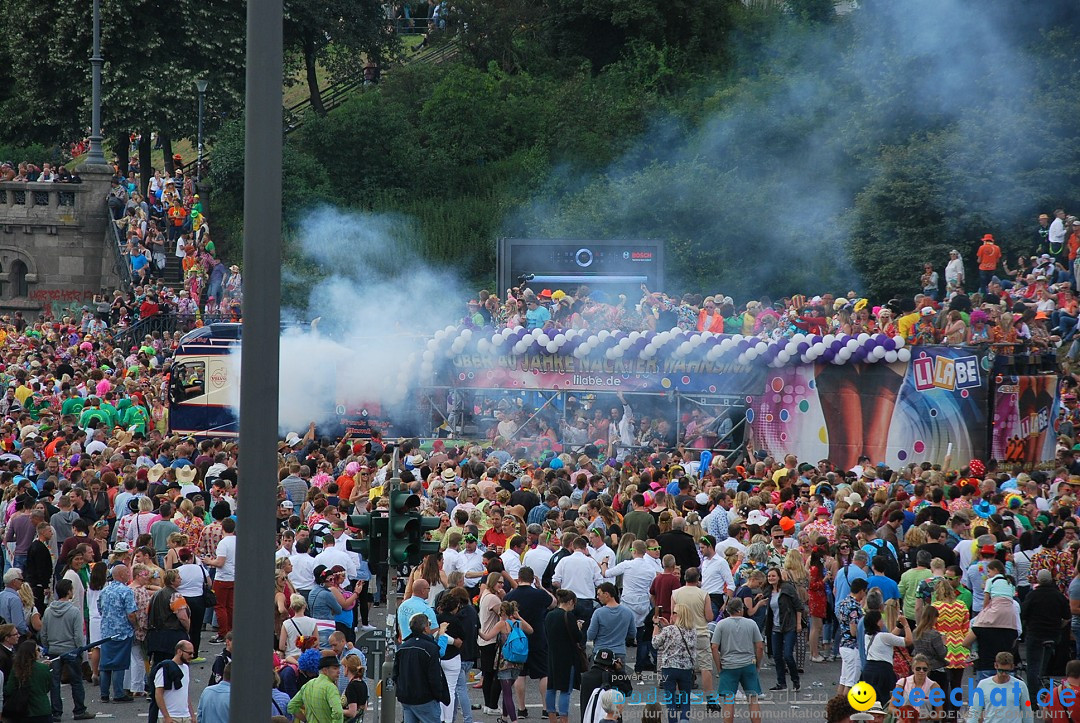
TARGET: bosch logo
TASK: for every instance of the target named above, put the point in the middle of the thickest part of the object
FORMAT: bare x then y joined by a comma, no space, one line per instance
583,258
641,256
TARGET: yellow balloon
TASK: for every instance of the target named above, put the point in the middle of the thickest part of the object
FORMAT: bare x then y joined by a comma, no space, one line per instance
862,697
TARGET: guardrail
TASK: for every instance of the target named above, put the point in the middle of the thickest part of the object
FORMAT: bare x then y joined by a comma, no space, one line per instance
120,258
166,323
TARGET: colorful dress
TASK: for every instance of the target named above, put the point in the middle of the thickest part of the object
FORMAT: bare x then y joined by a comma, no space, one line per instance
953,623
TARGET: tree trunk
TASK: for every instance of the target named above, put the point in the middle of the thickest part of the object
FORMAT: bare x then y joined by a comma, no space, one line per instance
166,148
146,161
123,156
312,78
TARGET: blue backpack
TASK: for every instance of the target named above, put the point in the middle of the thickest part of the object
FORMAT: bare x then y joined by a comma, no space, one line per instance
516,647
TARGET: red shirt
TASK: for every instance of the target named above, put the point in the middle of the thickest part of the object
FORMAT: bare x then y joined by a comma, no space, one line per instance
662,587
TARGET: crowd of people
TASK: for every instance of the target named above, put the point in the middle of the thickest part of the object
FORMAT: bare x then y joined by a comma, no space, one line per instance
119,556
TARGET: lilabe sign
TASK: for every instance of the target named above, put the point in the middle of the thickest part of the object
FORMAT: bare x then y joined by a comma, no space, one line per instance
939,372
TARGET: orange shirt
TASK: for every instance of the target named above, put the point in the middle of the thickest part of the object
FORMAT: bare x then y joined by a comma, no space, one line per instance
988,254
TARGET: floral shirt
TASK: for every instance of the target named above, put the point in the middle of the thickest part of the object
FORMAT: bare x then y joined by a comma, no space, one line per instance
825,529
847,612
192,527
1056,561
674,647
209,539
142,609
115,603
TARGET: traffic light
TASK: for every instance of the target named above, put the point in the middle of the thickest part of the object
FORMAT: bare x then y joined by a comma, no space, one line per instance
407,528
404,520
372,547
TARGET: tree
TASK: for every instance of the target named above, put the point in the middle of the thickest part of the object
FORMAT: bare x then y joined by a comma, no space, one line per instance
340,35
153,54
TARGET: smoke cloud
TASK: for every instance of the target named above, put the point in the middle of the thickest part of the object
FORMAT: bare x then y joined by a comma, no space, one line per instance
763,194
374,305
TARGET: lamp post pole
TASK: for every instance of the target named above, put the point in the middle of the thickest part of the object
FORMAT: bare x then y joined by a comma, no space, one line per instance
95,156
200,85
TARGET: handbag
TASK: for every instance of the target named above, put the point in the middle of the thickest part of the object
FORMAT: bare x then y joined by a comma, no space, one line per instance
208,595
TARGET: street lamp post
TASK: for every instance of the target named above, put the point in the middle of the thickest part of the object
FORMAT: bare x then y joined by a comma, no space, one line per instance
95,156
200,85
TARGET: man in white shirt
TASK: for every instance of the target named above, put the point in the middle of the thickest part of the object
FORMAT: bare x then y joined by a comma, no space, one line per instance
333,555
302,576
637,574
286,547
1057,230
511,559
735,533
579,574
599,550
452,550
716,577
225,580
175,702
470,562
538,557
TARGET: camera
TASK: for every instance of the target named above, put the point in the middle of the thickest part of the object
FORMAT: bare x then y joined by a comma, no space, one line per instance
525,278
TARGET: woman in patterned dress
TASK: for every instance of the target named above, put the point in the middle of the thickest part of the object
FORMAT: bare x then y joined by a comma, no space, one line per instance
953,623
818,602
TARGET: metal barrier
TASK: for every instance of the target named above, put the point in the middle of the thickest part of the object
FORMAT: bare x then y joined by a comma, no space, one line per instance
120,259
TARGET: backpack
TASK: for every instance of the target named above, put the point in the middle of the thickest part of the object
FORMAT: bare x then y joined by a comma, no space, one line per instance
892,568
516,647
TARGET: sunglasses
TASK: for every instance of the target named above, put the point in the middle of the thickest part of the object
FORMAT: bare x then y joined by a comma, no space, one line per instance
922,670
778,537
951,579
655,549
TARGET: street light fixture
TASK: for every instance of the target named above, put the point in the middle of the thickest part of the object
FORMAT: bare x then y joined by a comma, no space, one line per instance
200,85
95,156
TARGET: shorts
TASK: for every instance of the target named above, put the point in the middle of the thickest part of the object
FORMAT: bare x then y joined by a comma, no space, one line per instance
536,665
703,659
851,667
729,680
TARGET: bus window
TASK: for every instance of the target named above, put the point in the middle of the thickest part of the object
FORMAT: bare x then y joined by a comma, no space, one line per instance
189,381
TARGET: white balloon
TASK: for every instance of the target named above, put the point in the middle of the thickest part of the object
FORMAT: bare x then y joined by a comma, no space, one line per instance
648,353
593,340
520,347
743,359
818,348
725,345
783,357
440,335
844,354
685,348
863,338
799,338
736,338
604,334
891,356
828,339
552,347
903,355
899,340
852,344
761,347
543,339
483,346
751,354
466,334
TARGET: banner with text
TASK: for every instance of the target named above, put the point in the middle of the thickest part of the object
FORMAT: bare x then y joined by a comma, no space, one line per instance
893,413
563,371
1025,410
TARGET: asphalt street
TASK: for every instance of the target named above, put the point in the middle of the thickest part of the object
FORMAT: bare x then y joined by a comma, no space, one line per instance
818,685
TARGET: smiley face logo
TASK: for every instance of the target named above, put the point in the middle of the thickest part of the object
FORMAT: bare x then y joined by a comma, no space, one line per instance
862,697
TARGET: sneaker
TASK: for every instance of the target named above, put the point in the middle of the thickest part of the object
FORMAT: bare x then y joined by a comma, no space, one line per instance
476,706
490,711
200,659
795,687
217,640
479,685
817,659
367,627
124,699
85,715
522,713
778,687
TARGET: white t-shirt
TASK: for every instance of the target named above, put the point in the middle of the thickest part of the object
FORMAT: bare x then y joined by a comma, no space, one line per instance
538,559
191,580
227,549
176,701
303,571
880,646
512,563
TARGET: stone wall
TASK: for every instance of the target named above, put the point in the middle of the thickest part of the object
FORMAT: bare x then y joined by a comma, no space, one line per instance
55,251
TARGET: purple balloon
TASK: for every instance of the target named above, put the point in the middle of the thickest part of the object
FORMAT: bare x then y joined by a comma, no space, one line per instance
889,344
803,347
828,355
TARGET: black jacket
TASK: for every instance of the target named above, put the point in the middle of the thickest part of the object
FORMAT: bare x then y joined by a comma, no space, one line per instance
418,673
682,546
790,604
1044,612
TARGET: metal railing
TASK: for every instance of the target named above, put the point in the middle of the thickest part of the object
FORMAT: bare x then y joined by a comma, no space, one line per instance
166,323
120,259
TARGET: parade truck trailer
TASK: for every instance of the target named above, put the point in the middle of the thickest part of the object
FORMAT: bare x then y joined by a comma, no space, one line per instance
818,397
